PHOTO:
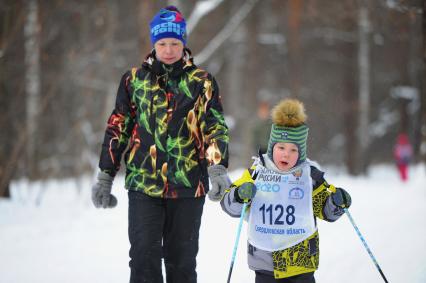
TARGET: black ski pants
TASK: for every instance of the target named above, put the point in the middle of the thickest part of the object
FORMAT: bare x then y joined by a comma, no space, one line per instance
302,278
163,228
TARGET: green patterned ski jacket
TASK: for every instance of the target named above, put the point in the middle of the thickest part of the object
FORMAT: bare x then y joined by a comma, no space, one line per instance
170,120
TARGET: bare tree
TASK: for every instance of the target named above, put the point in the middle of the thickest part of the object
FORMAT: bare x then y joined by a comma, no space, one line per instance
32,81
12,19
363,134
423,92
341,59
293,15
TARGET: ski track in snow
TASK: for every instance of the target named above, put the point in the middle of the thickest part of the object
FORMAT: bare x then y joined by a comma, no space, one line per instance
50,232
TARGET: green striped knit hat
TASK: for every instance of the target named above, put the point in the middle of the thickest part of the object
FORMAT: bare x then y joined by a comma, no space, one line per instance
288,125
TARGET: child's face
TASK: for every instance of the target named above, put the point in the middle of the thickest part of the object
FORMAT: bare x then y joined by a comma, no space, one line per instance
169,50
285,155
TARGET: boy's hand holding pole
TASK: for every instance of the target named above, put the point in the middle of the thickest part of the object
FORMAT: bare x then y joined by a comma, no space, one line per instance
341,198
245,192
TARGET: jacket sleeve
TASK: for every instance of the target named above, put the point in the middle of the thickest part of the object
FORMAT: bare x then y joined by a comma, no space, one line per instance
215,130
119,128
324,207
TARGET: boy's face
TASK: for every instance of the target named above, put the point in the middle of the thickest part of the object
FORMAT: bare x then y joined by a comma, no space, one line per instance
285,155
169,50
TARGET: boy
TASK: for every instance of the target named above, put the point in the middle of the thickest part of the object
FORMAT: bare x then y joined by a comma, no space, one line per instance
285,194
168,122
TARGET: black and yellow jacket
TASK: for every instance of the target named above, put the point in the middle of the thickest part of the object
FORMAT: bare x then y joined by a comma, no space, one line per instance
170,120
300,258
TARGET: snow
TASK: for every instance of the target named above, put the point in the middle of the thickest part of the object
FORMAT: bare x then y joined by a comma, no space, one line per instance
49,232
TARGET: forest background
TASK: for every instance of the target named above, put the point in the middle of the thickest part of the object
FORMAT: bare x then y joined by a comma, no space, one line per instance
359,67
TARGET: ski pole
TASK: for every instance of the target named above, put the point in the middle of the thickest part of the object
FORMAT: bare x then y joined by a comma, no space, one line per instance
237,239
365,244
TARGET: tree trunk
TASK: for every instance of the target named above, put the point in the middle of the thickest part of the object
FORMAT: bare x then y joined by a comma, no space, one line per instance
235,80
12,93
32,82
363,134
350,117
147,10
423,91
251,86
295,8
351,99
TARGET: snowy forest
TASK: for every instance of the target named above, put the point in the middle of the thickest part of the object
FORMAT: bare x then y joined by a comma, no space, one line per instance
358,66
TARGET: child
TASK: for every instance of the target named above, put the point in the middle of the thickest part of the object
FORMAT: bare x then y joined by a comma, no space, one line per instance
285,195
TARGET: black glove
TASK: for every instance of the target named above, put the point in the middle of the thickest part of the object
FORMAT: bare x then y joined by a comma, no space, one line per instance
245,192
341,198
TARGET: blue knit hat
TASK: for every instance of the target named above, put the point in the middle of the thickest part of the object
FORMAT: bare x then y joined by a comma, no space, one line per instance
167,23
288,118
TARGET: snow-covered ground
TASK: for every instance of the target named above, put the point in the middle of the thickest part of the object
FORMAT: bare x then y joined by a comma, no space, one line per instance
49,232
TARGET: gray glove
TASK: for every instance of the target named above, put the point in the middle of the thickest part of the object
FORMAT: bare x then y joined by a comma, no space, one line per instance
101,192
220,181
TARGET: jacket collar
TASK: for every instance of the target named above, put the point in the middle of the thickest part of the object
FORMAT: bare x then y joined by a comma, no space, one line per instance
174,70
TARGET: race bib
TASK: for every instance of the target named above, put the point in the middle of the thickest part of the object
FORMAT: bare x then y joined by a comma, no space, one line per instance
281,213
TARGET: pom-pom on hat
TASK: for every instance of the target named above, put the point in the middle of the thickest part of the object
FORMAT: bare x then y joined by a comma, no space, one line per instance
288,125
168,23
